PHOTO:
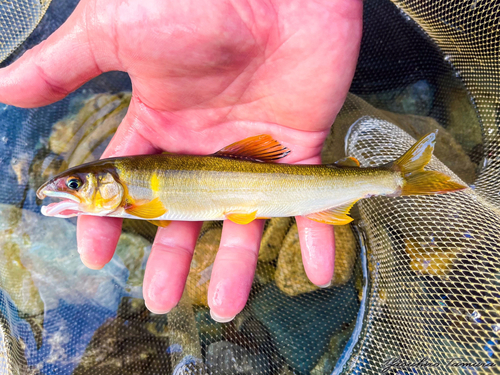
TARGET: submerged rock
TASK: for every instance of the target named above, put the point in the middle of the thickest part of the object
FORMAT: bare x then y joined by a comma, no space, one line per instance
125,345
184,348
209,330
49,283
302,326
415,99
327,362
203,260
226,358
191,366
275,231
83,137
430,259
265,272
15,278
290,275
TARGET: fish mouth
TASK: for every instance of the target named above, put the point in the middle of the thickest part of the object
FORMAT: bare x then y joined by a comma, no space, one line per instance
69,207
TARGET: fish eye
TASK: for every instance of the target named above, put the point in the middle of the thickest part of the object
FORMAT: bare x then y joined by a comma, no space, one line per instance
74,183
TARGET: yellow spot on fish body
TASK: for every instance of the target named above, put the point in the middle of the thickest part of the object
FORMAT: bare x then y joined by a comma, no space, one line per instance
155,184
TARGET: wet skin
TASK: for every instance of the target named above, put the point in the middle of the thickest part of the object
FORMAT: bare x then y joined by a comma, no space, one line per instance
204,75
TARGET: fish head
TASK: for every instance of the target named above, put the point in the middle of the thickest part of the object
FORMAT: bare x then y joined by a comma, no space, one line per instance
82,190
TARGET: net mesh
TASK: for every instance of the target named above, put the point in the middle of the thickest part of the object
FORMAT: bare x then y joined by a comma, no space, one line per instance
18,18
416,279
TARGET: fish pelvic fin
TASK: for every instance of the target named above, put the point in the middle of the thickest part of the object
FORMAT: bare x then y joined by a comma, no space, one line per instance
418,181
147,210
262,148
160,223
241,218
338,215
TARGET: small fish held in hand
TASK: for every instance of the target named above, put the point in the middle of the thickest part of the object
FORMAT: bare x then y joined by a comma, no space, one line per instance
241,182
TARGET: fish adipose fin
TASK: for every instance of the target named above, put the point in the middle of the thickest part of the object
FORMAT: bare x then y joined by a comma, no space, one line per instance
417,181
349,162
239,218
334,216
148,210
261,148
160,223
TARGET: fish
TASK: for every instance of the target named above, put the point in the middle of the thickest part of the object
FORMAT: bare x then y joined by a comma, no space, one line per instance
241,182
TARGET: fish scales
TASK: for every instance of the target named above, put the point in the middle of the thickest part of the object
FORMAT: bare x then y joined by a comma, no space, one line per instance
241,182
205,188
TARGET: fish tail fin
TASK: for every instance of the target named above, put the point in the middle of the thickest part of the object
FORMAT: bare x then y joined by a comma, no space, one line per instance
418,181
429,182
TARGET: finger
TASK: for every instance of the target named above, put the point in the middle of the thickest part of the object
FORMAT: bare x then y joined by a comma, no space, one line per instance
168,265
97,237
52,69
234,268
317,243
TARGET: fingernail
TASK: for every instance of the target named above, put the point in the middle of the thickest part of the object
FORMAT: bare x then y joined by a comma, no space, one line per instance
91,266
219,319
326,285
158,312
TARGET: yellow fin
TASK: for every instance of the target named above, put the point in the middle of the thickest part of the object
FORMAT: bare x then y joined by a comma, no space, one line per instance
347,162
418,181
241,218
429,182
259,148
418,156
149,210
334,216
160,223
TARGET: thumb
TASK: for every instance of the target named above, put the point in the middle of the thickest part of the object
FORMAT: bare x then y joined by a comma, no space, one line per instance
54,68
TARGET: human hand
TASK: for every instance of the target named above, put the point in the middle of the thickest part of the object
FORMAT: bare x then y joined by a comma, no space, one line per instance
204,75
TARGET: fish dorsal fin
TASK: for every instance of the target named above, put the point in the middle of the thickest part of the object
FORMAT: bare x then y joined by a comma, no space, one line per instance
241,218
349,162
261,148
334,216
147,210
160,223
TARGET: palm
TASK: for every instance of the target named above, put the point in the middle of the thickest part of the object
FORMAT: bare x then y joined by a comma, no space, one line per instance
204,75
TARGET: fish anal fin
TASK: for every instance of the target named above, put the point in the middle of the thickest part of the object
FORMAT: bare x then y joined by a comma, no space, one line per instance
241,218
261,148
338,215
350,162
160,223
148,210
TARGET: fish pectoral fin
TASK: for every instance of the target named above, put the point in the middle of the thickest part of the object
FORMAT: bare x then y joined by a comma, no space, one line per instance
334,216
148,210
347,162
240,218
261,148
160,223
